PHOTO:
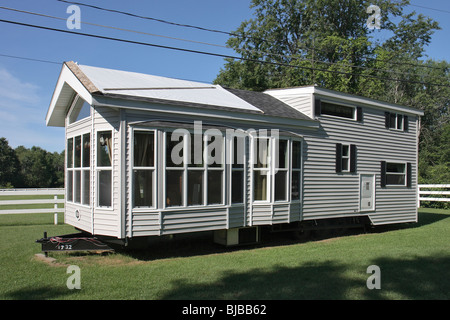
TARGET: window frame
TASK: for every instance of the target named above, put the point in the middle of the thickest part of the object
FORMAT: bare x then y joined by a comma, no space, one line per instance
277,168
338,104
77,101
350,159
403,127
190,166
272,169
144,168
298,170
404,173
267,168
78,185
242,168
99,169
345,158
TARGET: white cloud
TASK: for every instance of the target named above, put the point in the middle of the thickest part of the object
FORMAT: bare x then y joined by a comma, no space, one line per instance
22,115
12,88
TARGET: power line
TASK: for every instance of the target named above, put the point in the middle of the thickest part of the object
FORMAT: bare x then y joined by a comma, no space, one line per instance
211,44
231,33
114,28
148,18
213,54
423,7
30,59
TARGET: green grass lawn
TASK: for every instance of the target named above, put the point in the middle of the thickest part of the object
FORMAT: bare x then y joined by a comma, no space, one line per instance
414,260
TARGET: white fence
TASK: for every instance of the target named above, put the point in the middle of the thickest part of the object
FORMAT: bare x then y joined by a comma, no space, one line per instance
23,194
430,195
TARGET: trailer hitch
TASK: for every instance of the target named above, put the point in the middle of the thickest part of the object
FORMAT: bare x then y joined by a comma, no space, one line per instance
72,242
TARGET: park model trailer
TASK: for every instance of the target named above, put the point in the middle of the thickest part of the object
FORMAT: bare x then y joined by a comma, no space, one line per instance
339,156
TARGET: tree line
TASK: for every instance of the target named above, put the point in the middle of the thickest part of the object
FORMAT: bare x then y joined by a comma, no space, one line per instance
30,167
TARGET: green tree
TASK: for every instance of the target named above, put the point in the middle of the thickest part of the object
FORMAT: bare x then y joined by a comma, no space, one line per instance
304,42
36,167
9,165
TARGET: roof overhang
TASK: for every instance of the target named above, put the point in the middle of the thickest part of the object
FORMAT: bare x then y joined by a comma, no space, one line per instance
70,83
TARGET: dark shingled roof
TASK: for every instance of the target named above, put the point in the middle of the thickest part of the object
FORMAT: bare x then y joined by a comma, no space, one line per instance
268,104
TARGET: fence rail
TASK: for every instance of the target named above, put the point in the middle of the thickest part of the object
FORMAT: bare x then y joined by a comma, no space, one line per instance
442,192
23,201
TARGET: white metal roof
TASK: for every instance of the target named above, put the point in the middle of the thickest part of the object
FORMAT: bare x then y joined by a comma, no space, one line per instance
126,83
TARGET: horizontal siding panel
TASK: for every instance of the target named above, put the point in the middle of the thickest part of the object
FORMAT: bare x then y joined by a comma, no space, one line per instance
236,217
192,221
194,226
85,222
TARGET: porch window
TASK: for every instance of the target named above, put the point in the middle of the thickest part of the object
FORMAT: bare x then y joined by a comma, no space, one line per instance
175,168
261,169
215,164
237,169
104,168
86,172
69,183
144,168
278,179
281,170
78,169
194,169
80,110
296,159
196,172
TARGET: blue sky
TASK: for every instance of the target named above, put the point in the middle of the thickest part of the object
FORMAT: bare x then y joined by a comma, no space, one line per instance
26,87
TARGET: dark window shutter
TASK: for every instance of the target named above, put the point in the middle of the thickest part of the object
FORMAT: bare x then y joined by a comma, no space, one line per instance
338,157
406,123
387,119
352,158
408,175
317,106
383,174
359,114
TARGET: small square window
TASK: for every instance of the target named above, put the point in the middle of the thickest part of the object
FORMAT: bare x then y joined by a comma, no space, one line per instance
396,121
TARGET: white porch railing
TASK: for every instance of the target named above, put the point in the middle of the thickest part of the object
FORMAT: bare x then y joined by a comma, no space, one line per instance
430,195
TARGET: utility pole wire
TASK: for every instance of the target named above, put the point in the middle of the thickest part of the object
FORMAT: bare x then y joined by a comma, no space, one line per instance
211,53
243,35
313,61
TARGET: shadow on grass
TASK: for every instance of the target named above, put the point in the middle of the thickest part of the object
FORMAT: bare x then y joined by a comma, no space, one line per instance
202,243
420,278
41,293
425,217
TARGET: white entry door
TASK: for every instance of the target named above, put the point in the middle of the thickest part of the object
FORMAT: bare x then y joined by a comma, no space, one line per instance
367,192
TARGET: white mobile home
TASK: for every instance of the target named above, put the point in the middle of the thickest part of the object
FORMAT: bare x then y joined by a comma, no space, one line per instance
151,156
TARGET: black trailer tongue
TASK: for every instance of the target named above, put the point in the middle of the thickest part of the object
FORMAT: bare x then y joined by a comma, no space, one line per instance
72,242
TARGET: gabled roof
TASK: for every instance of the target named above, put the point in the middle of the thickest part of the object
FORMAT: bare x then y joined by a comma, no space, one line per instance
91,82
268,104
